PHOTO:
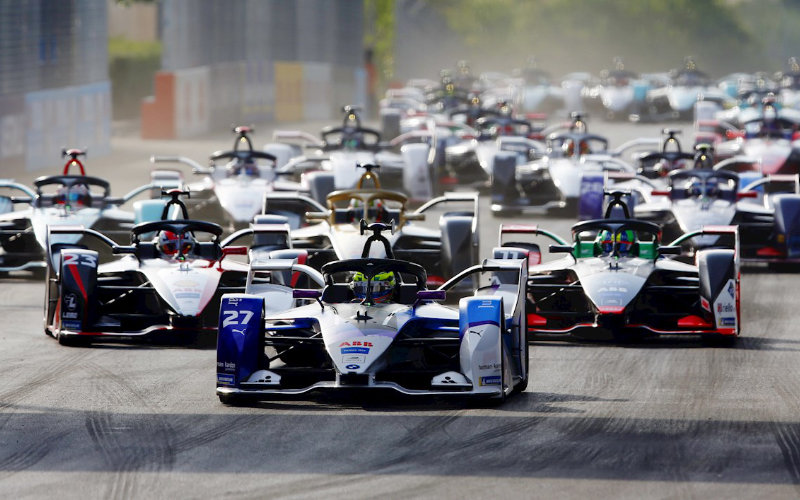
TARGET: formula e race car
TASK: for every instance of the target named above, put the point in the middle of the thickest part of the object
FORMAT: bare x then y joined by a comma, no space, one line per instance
332,162
335,233
165,286
573,165
766,140
63,200
231,194
766,210
618,282
374,325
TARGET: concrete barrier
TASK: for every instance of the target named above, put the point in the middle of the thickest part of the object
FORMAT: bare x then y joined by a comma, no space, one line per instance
12,127
258,91
192,101
288,91
225,94
158,110
317,91
67,117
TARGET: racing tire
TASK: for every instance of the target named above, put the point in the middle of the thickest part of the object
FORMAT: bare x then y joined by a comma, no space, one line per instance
523,385
73,341
235,399
50,303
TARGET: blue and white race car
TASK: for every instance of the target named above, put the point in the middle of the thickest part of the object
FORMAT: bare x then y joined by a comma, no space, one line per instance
374,325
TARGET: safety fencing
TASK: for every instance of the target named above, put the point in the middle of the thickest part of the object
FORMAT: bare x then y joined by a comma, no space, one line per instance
191,102
36,126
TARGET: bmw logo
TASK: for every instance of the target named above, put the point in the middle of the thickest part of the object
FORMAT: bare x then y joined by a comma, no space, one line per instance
353,367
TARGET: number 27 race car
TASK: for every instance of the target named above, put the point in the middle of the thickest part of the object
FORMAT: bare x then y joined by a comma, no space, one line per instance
374,325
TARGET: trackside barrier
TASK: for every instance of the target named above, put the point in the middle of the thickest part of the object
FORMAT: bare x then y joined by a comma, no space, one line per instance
317,91
180,107
78,115
288,91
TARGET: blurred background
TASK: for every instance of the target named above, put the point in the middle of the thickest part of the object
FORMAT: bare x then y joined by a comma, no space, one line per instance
74,71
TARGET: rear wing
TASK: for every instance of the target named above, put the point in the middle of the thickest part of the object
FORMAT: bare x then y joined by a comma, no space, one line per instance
257,230
81,230
280,265
529,229
729,238
309,140
513,299
11,184
461,197
196,167
789,179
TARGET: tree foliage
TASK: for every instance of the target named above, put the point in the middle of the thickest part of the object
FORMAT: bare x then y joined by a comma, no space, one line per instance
649,35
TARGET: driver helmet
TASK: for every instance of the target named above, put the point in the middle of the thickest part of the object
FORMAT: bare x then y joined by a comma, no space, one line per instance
250,168
174,245
625,240
382,286
245,167
75,196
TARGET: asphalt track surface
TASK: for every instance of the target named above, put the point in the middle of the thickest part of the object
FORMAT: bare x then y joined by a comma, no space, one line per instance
666,418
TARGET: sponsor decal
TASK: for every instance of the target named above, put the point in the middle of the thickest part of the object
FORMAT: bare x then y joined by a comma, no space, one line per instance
227,366
224,379
70,302
704,304
491,366
355,350
725,308
731,289
187,295
71,325
69,315
353,367
728,321
492,380
355,343
353,359
486,303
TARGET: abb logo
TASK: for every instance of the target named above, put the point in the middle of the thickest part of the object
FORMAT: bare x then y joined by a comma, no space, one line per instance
355,343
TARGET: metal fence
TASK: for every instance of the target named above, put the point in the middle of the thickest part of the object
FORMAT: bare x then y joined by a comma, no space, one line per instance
208,32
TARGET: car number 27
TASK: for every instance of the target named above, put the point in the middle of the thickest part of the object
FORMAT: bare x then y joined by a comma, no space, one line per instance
232,318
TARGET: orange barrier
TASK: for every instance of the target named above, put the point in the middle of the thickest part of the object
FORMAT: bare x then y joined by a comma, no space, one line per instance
158,111
288,92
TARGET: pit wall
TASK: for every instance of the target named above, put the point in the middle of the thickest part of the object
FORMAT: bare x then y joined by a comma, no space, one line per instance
245,93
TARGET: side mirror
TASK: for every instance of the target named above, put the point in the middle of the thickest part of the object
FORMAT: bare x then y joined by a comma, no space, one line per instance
234,250
734,134
122,249
300,293
560,248
431,295
669,250
746,194
316,216
415,216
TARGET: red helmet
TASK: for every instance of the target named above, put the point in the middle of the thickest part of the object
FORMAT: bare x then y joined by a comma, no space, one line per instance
169,243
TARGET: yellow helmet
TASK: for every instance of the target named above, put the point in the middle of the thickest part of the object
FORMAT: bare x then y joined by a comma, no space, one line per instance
381,286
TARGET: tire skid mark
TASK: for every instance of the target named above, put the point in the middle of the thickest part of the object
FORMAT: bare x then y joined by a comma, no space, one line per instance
53,374
788,440
30,455
410,444
135,443
204,437
55,371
